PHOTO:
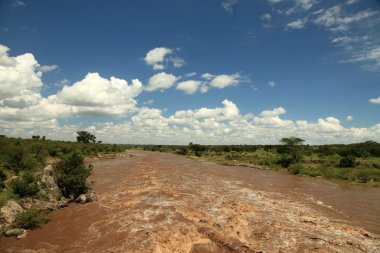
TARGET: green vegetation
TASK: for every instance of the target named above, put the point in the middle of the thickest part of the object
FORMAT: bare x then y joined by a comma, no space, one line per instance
85,137
26,185
291,151
22,160
359,162
30,219
347,162
72,175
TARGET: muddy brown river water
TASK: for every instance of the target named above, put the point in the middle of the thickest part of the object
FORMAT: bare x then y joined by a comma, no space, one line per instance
157,202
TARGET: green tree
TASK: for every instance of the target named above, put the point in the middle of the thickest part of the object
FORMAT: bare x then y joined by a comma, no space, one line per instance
85,137
291,150
72,176
292,141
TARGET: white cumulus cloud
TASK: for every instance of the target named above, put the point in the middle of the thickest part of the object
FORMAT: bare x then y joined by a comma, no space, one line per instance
18,75
189,87
161,81
157,58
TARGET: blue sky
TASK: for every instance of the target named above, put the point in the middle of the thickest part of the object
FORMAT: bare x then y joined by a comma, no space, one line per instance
214,71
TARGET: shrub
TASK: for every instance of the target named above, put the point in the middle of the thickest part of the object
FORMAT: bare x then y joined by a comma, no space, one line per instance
41,155
296,168
72,175
26,185
285,161
19,161
30,219
347,162
182,151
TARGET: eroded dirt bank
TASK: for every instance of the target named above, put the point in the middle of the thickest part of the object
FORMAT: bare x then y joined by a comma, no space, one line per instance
155,202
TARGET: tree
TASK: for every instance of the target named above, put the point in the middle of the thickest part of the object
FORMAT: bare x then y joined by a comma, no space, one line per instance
292,141
291,151
72,176
85,137
197,148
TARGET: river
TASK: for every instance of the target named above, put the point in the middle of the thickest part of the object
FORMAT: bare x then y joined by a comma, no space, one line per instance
158,202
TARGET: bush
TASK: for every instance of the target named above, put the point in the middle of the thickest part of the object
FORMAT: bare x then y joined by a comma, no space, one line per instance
182,151
296,168
72,176
41,155
285,161
347,162
26,185
19,161
30,219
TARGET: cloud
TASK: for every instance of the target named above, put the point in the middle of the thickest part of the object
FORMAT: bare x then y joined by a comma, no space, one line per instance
26,112
272,84
177,62
370,57
161,81
47,68
225,125
219,125
275,1
349,118
349,2
334,18
297,24
354,30
266,17
191,74
189,87
157,58
306,4
5,60
374,100
98,96
229,5
361,48
330,124
62,82
18,75
18,3
273,113
222,81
